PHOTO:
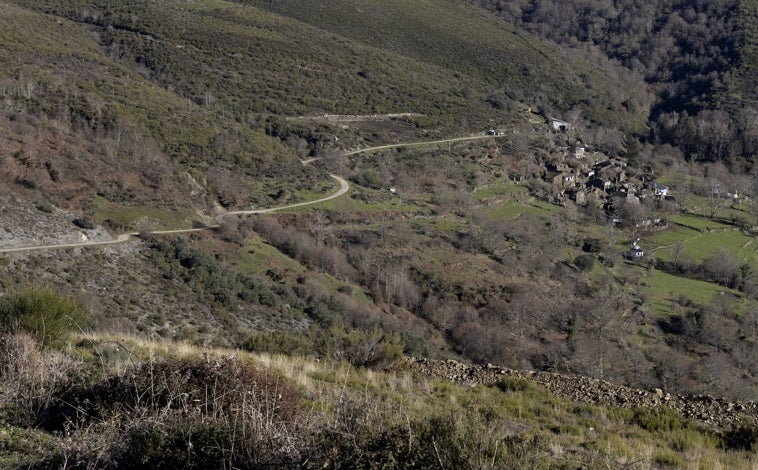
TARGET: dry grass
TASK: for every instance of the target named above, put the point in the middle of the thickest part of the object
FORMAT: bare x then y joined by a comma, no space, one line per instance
162,403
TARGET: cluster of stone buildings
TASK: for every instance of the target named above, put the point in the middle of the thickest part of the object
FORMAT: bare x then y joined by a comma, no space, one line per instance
596,179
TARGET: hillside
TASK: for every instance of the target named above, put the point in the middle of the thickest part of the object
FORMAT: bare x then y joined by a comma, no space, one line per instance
697,57
514,65
743,86
346,185
125,402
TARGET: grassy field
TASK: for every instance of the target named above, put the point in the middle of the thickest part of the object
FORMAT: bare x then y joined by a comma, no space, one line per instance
663,290
142,218
500,189
257,256
513,209
699,222
448,224
701,245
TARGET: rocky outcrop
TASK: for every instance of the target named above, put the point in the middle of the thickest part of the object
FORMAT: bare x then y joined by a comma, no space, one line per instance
25,223
713,412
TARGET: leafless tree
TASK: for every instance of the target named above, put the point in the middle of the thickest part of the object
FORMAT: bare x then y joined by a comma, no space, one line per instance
715,132
722,267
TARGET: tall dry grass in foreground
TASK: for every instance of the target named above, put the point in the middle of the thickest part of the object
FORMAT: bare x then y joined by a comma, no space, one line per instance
108,402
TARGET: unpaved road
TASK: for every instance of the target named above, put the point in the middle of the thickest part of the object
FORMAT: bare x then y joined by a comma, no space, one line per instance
344,188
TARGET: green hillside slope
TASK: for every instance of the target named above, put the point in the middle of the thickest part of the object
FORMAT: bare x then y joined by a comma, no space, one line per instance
433,57
76,123
475,44
156,98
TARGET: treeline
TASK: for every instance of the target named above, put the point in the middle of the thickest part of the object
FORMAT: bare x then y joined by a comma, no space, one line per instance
688,51
685,47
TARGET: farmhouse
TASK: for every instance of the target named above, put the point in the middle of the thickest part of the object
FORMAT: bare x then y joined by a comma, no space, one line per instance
636,251
659,189
560,125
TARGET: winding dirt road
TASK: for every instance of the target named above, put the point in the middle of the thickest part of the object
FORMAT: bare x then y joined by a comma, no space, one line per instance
344,188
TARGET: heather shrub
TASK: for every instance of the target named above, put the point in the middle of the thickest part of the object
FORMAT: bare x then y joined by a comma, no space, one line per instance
46,315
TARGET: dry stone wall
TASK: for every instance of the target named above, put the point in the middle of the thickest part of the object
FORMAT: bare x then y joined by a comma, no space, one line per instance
710,411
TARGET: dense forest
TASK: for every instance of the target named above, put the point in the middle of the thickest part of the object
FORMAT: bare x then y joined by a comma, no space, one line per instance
689,52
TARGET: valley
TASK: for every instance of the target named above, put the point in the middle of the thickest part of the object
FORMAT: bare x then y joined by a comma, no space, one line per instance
538,241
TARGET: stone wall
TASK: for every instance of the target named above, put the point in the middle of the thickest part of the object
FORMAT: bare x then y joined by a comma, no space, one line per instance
713,412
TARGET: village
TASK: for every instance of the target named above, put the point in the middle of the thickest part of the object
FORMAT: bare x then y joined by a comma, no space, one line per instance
618,190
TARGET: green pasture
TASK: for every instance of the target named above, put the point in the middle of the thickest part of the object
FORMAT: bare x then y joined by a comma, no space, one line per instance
141,217
660,241
259,257
723,209
513,209
663,290
500,188
701,245
698,222
454,268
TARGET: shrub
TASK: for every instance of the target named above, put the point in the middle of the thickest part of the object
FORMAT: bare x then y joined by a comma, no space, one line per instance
45,207
661,420
743,437
85,223
439,441
175,444
373,348
46,315
29,376
512,384
591,245
667,459
585,262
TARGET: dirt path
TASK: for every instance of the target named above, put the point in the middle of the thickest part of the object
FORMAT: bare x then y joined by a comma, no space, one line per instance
344,188
418,144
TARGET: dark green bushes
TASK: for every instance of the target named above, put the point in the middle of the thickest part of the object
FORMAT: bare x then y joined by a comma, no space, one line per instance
49,317
438,441
653,420
742,437
221,285
516,385
585,262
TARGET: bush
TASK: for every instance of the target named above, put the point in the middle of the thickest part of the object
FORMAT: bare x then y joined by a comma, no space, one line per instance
176,444
513,384
743,437
585,262
46,315
29,377
439,441
591,245
85,223
362,348
661,420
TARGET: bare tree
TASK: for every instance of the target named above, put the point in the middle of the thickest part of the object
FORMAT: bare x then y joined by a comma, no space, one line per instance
715,133
722,267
